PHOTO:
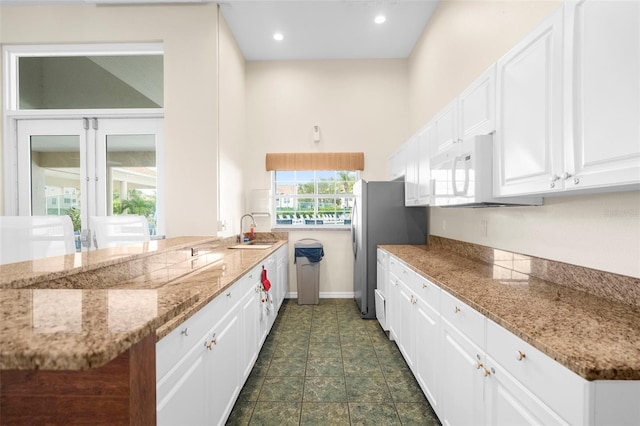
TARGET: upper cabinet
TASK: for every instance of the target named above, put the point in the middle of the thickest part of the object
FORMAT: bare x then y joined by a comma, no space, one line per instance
528,141
396,163
602,93
477,106
417,184
568,103
470,114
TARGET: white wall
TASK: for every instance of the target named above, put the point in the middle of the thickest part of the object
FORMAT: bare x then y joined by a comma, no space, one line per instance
360,105
233,140
190,37
462,39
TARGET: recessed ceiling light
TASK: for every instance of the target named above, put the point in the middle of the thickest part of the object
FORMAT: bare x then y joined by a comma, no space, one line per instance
379,19
278,36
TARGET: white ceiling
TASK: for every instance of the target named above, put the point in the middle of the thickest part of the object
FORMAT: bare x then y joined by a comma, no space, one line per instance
326,29
312,29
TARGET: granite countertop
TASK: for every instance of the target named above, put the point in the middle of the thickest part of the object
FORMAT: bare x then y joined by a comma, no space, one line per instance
597,338
80,311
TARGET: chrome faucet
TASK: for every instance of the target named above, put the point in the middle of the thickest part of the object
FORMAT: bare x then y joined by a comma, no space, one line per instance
253,222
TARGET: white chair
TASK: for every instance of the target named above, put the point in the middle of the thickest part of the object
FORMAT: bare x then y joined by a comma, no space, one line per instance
113,231
34,237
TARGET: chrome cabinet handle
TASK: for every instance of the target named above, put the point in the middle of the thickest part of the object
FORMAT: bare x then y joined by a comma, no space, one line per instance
185,332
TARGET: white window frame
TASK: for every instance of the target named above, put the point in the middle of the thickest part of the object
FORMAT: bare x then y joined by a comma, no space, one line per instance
11,111
314,196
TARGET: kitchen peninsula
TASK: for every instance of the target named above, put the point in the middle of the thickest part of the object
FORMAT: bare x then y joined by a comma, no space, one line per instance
78,332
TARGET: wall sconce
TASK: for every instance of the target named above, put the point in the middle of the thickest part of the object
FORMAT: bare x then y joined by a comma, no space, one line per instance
316,133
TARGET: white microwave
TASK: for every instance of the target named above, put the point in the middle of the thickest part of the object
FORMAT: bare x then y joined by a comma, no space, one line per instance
463,177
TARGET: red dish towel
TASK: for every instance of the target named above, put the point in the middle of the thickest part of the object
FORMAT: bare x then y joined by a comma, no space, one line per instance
266,284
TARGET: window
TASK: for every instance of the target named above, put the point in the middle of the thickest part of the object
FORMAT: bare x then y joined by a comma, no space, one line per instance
313,197
85,126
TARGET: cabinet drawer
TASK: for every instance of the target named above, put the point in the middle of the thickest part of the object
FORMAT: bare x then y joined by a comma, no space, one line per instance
467,320
403,272
428,292
383,257
562,390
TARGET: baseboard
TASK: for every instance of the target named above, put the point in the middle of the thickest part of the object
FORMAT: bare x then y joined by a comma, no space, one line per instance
325,295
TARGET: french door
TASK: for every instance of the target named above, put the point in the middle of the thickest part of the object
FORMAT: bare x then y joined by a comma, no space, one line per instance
85,167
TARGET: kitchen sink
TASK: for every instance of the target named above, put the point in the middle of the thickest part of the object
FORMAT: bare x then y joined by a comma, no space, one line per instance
255,245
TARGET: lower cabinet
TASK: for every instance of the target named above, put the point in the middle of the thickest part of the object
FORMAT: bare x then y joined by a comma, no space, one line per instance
508,402
461,379
474,372
427,358
202,365
210,367
406,340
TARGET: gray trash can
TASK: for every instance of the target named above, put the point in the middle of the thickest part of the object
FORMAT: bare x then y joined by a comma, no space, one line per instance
307,257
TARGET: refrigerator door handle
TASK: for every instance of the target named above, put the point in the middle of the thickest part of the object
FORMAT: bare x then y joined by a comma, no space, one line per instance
354,239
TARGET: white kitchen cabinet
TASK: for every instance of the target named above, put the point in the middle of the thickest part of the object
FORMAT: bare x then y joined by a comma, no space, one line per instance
393,312
425,137
470,114
282,259
211,367
445,125
602,94
417,182
569,103
461,379
182,393
202,364
407,340
528,141
396,164
477,106
250,325
268,309
552,393
382,290
509,403
222,367
411,182
428,336
474,371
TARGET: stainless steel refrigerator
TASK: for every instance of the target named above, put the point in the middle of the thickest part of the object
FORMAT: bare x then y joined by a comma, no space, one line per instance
380,217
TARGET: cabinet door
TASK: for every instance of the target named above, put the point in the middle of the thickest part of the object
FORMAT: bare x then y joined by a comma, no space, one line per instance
394,306
428,347
406,339
382,280
445,128
425,137
182,394
411,175
250,306
461,378
528,143
477,106
396,164
509,403
603,93
223,369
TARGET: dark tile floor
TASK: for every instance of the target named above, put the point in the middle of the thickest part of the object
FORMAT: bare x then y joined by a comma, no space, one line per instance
324,365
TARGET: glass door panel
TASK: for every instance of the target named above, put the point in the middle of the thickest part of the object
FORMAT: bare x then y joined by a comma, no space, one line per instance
128,152
52,175
132,176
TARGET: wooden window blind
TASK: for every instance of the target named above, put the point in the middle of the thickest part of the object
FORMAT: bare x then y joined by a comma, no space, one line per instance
315,161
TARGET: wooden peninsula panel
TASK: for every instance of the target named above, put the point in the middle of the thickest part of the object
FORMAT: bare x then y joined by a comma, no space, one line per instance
121,392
